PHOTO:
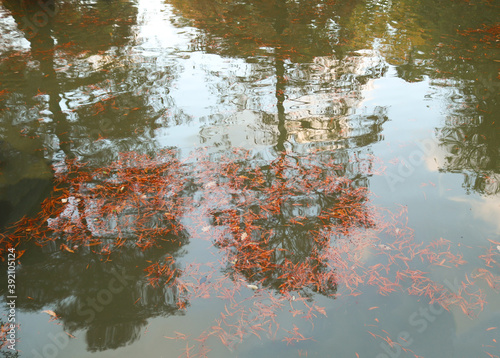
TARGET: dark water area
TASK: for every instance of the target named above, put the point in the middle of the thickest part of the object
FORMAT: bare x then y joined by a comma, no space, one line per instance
250,178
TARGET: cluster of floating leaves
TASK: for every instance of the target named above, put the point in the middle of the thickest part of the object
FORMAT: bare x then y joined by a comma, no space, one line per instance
282,231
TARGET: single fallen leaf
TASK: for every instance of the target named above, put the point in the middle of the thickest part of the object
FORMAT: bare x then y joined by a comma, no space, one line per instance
244,236
372,308
52,313
491,328
64,201
321,310
178,335
210,184
253,287
205,228
65,247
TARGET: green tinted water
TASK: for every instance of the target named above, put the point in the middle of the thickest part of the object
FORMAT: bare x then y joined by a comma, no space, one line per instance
403,95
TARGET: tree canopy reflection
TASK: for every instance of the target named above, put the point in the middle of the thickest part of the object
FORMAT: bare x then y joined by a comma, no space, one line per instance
456,50
275,224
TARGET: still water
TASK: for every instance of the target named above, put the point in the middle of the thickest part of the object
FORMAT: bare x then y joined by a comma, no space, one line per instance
252,178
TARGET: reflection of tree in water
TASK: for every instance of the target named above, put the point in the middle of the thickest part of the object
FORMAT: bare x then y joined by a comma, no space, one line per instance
471,134
454,45
59,93
283,218
100,231
51,50
297,30
110,300
317,86
103,226
472,146
86,94
465,68
73,95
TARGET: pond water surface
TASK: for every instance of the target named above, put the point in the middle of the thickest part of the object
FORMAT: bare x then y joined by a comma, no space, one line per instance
251,178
